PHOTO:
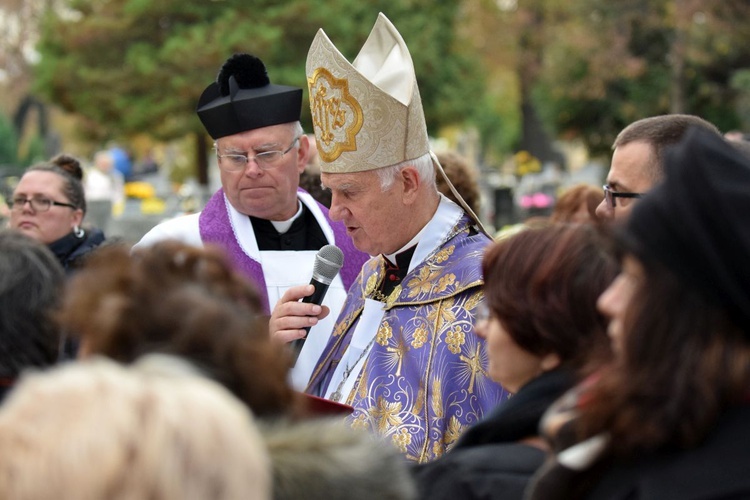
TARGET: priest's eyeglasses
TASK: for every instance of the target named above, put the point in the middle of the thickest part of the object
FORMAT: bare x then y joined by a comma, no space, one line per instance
611,196
265,160
37,204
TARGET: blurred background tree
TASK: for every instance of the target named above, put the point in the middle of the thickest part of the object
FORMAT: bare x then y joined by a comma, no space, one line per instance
523,73
129,66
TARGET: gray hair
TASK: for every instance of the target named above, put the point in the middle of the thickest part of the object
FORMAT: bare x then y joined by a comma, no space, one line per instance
423,164
294,127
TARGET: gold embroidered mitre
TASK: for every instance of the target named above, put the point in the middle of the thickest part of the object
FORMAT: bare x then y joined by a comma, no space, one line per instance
367,114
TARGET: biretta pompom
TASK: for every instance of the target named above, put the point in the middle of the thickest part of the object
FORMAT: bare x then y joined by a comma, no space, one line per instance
243,98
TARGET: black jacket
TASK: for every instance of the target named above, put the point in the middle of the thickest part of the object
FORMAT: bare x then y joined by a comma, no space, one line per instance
488,462
70,249
719,468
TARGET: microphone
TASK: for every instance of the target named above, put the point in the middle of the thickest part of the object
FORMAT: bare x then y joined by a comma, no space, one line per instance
328,262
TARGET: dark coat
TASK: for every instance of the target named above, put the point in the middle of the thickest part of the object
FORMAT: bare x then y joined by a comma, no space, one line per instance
488,462
717,469
70,249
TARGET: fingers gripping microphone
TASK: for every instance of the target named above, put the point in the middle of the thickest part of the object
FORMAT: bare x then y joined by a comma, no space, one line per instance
328,262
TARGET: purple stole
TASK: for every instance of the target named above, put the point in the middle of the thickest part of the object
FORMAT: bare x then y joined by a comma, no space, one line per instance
216,228
425,378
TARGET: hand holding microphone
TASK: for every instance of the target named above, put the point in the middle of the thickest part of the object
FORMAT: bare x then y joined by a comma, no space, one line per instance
328,262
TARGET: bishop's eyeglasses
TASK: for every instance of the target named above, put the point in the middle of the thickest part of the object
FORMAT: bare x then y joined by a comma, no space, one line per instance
611,196
37,204
265,160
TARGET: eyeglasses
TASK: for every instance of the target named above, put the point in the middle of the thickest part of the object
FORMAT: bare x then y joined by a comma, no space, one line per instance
482,313
37,204
265,160
610,196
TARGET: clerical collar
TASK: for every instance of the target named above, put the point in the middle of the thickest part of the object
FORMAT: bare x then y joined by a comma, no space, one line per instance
392,257
282,226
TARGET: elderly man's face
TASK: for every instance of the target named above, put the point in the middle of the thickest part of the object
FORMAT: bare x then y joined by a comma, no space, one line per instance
372,216
268,193
630,172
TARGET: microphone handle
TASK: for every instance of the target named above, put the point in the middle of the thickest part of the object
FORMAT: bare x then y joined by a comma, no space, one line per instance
315,298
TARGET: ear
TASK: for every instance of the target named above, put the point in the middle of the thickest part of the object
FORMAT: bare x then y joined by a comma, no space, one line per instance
411,183
77,218
550,361
303,153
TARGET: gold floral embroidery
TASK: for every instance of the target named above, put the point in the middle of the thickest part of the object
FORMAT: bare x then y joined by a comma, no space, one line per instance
473,366
445,282
453,432
419,337
419,401
437,449
402,439
443,254
423,283
385,332
372,284
396,354
365,376
385,414
442,314
437,398
455,339
473,301
344,325
360,423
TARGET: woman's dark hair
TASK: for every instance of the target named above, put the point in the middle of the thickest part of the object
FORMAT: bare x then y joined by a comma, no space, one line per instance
684,361
175,299
69,169
543,284
31,281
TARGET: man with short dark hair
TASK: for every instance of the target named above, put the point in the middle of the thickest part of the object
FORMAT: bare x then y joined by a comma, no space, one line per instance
637,160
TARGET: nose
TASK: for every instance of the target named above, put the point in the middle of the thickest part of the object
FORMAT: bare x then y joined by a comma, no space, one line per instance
607,303
26,207
337,211
252,169
604,212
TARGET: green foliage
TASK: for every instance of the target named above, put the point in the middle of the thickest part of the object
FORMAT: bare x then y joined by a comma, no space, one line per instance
8,143
134,66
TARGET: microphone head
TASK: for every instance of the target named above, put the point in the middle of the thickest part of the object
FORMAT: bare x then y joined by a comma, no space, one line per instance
328,262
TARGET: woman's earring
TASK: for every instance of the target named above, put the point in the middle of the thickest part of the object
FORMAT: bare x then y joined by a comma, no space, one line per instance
78,231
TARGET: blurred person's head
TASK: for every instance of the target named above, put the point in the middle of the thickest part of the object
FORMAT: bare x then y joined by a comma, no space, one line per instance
541,287
48,203
259,141
637,160
577,204
309,180
104,161
31,285
374,148
680,309
325,459
463,175
98,430
173,298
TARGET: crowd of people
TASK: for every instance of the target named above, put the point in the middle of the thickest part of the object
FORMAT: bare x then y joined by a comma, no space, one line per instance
600,353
